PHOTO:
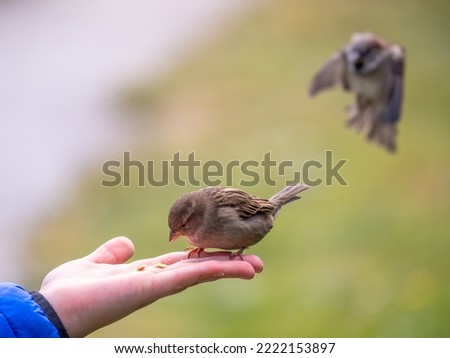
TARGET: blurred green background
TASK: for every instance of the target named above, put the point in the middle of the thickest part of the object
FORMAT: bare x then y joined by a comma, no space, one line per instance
370,259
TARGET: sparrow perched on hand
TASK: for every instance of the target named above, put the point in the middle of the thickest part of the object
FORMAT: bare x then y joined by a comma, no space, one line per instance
226,218
372,69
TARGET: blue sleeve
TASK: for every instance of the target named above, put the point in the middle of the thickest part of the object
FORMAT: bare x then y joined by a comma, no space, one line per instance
27,315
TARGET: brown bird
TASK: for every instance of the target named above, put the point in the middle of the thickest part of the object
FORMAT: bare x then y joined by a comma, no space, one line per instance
373,69
226,218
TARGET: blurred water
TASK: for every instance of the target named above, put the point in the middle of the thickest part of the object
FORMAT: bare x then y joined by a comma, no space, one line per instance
61,64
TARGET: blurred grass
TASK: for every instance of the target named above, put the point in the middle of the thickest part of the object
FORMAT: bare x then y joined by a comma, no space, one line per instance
365,260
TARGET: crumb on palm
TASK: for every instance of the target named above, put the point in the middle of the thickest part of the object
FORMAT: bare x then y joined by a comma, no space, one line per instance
160,265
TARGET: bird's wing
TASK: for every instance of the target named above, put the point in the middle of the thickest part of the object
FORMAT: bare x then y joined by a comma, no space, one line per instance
246,205
333,72
394,104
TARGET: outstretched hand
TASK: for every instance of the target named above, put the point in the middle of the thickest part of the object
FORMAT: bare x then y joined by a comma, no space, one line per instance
99,289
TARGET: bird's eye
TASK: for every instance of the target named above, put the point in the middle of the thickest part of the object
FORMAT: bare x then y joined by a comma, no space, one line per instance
366,51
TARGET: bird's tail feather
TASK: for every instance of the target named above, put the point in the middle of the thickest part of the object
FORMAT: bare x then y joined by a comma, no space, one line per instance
384,134
288,195
377,131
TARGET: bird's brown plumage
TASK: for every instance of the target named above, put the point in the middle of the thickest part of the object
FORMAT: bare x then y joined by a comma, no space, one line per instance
226,218
373,70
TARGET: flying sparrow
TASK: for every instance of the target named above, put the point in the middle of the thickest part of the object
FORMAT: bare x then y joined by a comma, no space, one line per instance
373,69
226,218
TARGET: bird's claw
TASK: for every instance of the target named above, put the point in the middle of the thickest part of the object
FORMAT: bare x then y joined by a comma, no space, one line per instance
238,254
196,250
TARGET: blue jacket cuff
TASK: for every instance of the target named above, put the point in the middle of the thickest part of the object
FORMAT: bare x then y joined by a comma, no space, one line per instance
22,316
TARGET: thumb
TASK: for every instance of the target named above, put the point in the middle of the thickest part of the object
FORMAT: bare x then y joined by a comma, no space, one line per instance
114,251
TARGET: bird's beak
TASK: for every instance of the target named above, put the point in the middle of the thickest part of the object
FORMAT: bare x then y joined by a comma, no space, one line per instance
173,235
